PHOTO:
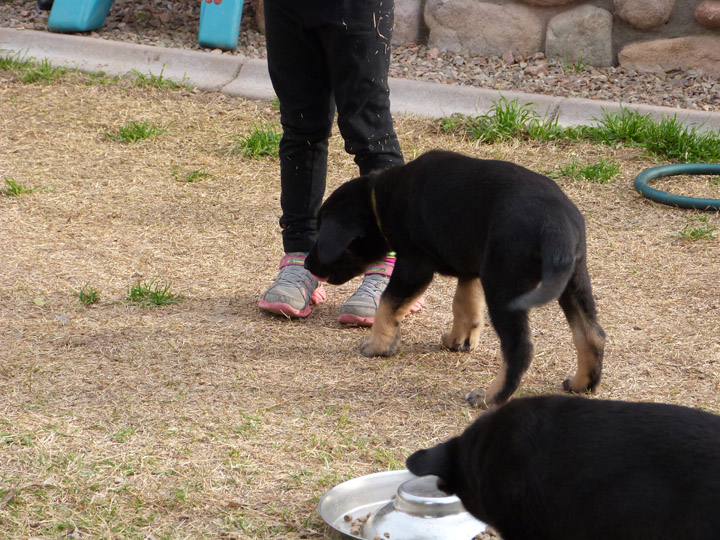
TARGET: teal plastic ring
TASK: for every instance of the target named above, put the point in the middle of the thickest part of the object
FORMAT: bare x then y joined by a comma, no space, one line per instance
642,179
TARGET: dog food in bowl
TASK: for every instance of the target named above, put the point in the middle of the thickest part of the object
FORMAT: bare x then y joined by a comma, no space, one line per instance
396,505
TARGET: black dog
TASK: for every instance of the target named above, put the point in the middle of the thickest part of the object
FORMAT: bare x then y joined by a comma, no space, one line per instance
500,228
569,468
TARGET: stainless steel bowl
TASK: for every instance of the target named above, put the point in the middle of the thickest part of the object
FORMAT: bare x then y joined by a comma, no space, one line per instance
395,505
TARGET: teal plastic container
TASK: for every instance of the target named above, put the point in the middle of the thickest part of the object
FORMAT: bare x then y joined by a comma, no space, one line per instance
220,23
78,15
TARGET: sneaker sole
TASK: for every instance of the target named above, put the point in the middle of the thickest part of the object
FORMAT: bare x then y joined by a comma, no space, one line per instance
350,318
281,308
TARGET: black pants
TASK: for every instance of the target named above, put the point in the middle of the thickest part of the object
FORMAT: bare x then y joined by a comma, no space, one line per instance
324,54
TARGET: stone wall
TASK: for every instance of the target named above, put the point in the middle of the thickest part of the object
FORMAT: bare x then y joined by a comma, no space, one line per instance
648,35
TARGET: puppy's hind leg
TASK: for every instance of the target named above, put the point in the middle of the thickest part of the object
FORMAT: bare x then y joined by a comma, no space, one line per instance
517,350
468,316
579,307
407,284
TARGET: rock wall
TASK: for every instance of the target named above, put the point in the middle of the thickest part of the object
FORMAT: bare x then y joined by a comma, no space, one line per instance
647,35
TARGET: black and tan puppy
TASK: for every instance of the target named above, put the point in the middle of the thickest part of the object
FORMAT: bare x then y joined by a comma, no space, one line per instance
569,468
510,236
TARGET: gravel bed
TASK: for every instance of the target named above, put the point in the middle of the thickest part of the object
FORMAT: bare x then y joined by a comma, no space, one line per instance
174,23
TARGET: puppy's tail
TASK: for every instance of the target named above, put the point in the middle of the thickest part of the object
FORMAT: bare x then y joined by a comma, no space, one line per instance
558,266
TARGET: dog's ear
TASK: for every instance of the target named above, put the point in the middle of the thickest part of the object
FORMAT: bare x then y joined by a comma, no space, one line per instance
438,460
334,237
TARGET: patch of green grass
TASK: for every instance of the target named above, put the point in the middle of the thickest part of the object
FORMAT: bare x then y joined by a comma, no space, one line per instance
547,129
100,77
453,123
41,72
697,228
263,140
30,71
504,121
124,434
158,81
192,175
671,140
238,460
250,426
626,127
386,458
11,62
152,293
14,189
601,172
578,66
133,132
666,139
22,439
179,494
87,294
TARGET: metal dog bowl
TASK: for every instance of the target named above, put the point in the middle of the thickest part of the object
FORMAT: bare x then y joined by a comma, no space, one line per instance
396,505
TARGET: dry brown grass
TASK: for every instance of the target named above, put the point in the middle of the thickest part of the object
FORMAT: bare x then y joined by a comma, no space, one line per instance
210,419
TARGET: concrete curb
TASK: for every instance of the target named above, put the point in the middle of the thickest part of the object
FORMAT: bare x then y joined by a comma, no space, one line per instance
243,77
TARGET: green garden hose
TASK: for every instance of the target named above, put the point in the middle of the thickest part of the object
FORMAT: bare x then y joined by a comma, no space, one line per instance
642,179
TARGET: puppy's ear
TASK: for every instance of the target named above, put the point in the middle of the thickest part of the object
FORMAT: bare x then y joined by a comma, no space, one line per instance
438,460
334,237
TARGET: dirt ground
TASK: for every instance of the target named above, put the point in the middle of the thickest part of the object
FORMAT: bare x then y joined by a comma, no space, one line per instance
211,419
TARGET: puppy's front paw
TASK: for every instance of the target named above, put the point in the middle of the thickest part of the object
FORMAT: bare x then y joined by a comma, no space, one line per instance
457,344
574,387
372,347
477,399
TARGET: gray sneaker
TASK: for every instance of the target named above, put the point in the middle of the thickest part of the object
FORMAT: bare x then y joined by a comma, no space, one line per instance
294,291
361,306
